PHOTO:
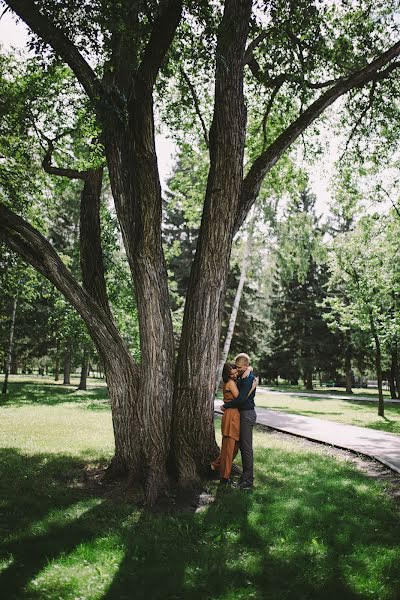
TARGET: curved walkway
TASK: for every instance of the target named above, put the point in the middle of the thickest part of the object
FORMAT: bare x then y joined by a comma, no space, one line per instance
333,396
384,447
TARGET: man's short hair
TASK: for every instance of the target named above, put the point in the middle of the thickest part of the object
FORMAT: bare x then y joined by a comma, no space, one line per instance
243,358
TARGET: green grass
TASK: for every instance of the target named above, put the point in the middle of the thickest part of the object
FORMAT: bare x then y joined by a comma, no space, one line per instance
352,412
314,528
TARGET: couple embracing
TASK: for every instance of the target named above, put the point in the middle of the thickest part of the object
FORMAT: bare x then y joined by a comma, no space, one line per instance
238,420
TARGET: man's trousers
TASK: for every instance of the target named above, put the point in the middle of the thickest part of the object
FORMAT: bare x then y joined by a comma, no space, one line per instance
247,421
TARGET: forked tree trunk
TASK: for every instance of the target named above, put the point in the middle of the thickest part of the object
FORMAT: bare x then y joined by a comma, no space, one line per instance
10,345
193,432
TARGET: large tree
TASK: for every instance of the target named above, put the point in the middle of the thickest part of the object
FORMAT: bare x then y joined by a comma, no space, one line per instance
304,58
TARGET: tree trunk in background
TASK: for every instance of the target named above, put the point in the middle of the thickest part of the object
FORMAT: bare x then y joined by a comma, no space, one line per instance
308,379
238,296
67,365
10,345
14,364
378,366
392,384
395,367
84,370
193,438
57,362
347,366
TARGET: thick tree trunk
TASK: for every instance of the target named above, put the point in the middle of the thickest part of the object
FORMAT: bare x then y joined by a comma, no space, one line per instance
193,433
138,205
10,345
84,370
57,361
67,364
236,302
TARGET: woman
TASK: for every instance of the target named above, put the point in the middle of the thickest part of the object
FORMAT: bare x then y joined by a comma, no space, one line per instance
230,425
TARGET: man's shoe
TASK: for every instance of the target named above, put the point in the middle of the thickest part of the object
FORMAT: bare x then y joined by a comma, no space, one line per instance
245,485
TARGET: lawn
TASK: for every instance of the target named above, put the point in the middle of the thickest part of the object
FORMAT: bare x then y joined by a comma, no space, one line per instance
352,412
313,528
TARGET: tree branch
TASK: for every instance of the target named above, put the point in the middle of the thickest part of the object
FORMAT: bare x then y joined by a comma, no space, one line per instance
396,208
196,105
160,40
267,159
54,37
248,55
91,253
287,78
360,118
267,113
33,247
63,172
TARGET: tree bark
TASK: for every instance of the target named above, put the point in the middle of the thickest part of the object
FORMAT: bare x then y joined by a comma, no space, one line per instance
236,302
193,429
10,345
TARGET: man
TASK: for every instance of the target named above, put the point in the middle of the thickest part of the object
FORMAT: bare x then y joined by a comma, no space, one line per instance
245,403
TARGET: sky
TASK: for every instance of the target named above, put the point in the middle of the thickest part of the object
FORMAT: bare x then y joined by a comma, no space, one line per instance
14,35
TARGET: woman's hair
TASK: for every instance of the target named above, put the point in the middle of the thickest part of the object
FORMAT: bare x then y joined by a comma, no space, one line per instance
226,371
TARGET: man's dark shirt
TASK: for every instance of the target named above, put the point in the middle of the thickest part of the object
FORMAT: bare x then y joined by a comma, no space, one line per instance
242,402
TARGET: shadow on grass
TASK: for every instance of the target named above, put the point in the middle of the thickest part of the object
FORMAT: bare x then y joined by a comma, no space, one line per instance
386,425
310,530
48,394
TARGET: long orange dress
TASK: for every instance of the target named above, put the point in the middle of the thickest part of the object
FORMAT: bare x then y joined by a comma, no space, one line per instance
230,428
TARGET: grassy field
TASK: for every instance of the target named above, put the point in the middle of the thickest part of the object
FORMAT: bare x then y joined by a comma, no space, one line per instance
314,528
353,412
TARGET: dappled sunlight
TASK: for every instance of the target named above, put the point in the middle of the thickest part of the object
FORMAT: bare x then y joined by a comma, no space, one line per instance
310,529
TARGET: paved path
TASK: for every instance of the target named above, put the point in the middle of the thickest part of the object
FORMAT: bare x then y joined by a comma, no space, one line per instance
384,447
328,396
